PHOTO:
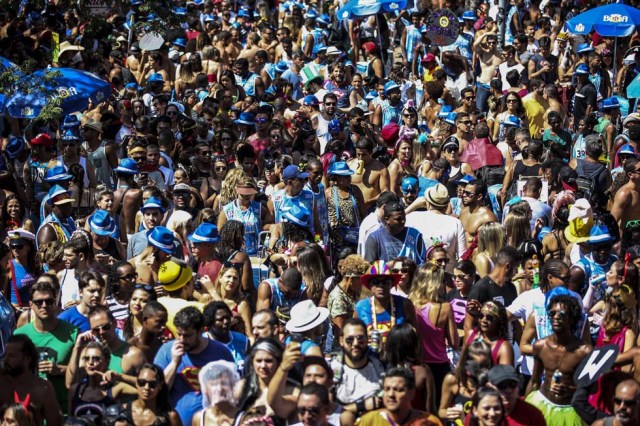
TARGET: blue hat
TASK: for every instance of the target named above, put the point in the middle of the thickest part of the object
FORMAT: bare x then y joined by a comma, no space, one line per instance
180,42
599,235
339,168
136,2
59,195
585,48
469,15
464,180
371,95
389,86
101,223
70,135
205,233
297,214
155,77
245,118
153,203
57,173
70,121
451,118
133,86
410,185
610,103
243,14
334,126
310,100
15,146
311,13
282,66
512,121
627,149
581,69
161,238
180,11
293,172
127,166
444,111
324,19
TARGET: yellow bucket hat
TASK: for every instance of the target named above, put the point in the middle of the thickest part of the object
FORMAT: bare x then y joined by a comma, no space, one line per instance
173,275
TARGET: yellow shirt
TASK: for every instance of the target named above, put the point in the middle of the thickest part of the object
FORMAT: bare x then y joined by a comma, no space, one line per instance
379,418
535,112
428,74
173,305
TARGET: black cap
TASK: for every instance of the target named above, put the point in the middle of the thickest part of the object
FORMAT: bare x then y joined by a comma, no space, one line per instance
503,373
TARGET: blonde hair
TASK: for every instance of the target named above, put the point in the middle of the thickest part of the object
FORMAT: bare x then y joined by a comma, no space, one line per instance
420,153
517,227
490,239
179,220
426,285
354,265
228,190
218,284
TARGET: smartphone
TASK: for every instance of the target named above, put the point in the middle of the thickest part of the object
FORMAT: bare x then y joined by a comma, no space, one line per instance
296,337
144,175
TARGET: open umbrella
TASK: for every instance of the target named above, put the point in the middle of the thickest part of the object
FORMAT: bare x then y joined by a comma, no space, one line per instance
369,7
611,20
74,87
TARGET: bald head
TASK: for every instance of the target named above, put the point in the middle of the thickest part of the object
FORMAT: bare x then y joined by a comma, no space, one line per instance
625,403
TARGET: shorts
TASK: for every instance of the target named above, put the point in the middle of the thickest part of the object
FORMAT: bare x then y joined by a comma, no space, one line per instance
554,414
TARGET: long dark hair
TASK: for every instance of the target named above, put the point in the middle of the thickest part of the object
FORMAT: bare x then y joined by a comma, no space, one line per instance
251,386
127,327
478,396
162,400
5,212
402,346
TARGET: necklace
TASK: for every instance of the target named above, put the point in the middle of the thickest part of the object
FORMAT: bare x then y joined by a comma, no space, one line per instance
374,315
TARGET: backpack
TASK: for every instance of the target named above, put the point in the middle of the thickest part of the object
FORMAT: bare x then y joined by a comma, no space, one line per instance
588,184
338,35
491,175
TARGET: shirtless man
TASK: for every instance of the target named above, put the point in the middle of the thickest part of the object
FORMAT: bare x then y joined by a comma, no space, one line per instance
20,360
251,49
474,213
485,48
626,203
557,356
133,61
371,176
550,93
227,50
127,198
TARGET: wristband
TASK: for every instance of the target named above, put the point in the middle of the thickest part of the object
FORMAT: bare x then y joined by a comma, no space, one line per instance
360,407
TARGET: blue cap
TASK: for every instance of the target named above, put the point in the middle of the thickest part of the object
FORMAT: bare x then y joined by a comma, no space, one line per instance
389,86
180,11
153,203
469,15
245,118
410,185
57,173
282,66
101,223
334,126
324,19
205,233
161,238
581,69
243,14
15,146
339,168
610,103
310,100
127,166
464,180
133,86
293,172
627,149
297,214
371,95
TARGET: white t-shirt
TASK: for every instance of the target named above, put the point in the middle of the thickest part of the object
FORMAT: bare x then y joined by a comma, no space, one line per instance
68,287
367,226
521,308
436,227
357,383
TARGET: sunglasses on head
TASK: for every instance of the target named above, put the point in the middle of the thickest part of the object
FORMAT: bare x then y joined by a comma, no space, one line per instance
146,287
234,265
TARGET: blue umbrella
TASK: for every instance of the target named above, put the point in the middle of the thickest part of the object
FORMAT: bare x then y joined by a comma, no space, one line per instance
370,7
74,87
611,20
5,63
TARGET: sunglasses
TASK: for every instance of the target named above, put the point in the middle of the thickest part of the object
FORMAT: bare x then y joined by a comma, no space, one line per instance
488,317
398,270
564,279
632,224
101,328
128,277
234,265
466,123
43,302
628,402
468,194
460,277
330,104
351,339
142,383
94,359
512,101
16,246
221,169
561,314
469,98
380,282
172,113
261,120
312,411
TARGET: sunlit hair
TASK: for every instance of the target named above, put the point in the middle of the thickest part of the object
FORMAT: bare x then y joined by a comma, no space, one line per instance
426,285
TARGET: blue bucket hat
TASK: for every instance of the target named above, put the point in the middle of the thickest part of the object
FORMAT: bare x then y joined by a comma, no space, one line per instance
389,86
101,223
180,42
243,14
282,66
339,168
127,166
299,215
599,235
57,173
451,118
610,103
153,203
444,111
581,69
15,146
245,118
585,48
205,233
155,77
464,180
161,238
70,135
410,185
70,121
311,13
469,15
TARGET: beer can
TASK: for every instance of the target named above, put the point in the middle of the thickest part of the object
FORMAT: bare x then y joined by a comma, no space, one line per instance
376,338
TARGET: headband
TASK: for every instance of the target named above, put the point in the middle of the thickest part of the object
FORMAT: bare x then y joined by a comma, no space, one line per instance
492,308
137,150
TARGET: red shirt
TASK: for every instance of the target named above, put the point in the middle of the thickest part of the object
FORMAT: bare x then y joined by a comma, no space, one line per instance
523,414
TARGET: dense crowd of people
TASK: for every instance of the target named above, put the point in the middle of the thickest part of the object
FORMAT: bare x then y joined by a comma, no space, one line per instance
284,217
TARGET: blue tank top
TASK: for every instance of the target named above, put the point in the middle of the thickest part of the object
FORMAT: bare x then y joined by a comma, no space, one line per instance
413,38
21,281
250,218
248,84
392,247
278,300
323,212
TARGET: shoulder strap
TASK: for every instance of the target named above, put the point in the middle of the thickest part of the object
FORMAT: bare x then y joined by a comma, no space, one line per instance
14,284
121,203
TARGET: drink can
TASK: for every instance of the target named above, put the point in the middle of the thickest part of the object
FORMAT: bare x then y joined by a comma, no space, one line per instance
360,168
375,340
557,376
43,356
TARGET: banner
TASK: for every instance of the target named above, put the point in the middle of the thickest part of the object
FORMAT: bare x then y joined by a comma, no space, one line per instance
443,27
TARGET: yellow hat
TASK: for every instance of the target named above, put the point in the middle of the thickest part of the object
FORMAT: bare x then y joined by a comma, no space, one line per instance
174,275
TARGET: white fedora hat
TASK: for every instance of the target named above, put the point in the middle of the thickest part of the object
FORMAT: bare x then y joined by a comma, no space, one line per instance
306,316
